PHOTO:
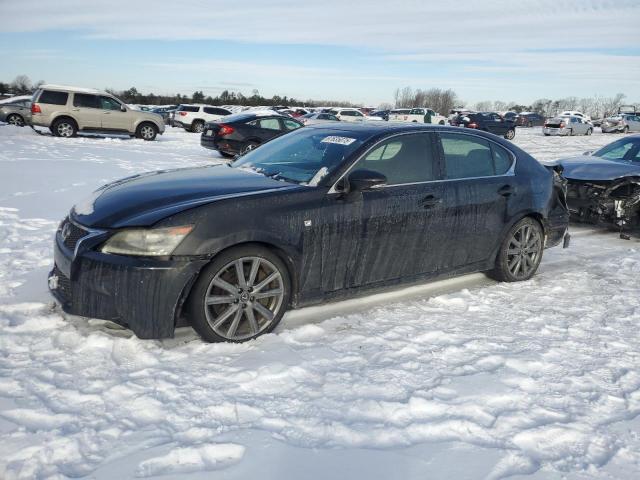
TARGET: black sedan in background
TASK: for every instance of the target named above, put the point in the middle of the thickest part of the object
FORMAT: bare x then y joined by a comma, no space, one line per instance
487,122
242,132
324,212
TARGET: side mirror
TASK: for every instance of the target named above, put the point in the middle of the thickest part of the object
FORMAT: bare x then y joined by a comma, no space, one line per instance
365,179
123,108
588,153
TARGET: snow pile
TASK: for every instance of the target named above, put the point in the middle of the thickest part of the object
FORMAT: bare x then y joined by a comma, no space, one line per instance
538,378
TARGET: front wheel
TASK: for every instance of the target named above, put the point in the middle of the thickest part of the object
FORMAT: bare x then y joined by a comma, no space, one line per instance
510,134
241,295
589,131
147,131
64,127
15,119
520,252
249,146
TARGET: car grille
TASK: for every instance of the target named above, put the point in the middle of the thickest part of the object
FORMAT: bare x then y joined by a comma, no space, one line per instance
64,285
73,233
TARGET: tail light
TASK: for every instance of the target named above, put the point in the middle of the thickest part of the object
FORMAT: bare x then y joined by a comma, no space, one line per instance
35,108
183,114
473,125
562,125
225,130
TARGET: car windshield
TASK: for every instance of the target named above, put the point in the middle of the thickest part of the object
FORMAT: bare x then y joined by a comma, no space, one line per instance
623,150
304,156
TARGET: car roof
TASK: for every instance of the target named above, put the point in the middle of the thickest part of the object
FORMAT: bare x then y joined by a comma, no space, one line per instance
68,88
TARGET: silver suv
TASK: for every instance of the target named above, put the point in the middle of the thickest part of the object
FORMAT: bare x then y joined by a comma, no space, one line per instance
69,110
16,111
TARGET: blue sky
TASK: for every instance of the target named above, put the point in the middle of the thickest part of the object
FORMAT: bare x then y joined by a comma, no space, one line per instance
358,51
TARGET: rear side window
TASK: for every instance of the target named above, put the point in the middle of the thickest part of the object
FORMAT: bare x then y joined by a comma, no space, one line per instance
403,159
467,157
186,108
83,100
215,111
269,123
53,98
502,159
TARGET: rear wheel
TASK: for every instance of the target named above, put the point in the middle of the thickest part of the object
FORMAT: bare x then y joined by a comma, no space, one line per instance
520,252
64,127
625,129
241,295
530,124
15,119
146,131
197,126
441,122
510,134
250,146
589,131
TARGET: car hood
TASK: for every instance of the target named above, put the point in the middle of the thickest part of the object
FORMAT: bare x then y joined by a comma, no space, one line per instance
143,200
593,168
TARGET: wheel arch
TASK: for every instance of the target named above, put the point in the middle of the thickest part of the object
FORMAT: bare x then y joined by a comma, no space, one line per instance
65,116
286,254
142,121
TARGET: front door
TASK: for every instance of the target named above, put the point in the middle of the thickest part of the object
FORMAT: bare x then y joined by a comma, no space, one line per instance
113,118
387,233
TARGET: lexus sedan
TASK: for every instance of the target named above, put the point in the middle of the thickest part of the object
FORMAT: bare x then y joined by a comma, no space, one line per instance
323,212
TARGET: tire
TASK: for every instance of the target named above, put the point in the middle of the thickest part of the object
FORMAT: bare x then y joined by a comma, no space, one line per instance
15,119
570,132
516,263
147,131
226,154
530,124
589,131
222,309
547,134
441,122
511,133
197,126
64,127
625,129
250,146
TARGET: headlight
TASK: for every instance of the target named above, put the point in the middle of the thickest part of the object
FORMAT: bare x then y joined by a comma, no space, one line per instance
146,242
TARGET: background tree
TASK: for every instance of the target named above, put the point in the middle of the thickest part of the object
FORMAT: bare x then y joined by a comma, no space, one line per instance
21,85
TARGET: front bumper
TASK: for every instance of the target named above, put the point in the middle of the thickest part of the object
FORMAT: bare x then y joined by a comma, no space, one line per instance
142,294
611,128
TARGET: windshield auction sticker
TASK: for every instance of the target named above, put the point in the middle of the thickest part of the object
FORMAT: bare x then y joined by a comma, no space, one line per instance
338,140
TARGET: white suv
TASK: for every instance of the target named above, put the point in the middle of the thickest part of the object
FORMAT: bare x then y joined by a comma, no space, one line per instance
193,117
352,115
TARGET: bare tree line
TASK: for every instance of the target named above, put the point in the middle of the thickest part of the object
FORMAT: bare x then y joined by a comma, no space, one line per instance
437,99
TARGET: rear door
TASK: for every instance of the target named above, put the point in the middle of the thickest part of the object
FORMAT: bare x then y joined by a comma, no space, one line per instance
495,123
478,186
389,233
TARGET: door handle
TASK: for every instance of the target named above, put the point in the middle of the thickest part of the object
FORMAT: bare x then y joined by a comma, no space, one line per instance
75,109
506,190
431,201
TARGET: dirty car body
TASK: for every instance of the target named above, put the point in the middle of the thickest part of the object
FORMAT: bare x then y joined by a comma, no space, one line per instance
604,186
439,212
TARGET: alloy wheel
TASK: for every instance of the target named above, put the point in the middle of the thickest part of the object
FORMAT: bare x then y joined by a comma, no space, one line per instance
15,120
65,129
523,251
147,132
244,298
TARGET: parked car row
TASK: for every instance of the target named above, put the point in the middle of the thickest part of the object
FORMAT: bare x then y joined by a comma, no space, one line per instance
486,121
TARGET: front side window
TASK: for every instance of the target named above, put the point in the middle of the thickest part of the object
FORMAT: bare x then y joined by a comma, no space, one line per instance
291,125
470,157
108,103
402,159
53,98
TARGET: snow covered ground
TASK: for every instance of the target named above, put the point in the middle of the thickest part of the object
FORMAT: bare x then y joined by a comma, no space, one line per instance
460,379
